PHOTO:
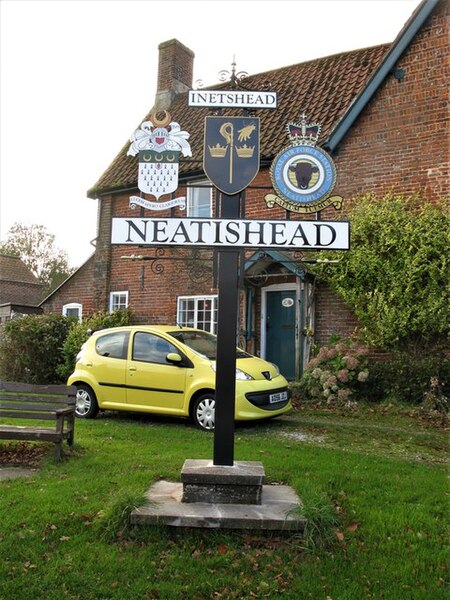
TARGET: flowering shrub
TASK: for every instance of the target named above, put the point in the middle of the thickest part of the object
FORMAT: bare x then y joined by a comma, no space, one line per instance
336,372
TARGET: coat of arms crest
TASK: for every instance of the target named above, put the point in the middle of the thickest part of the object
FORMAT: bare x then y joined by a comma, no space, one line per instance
159,143
303,175
231,152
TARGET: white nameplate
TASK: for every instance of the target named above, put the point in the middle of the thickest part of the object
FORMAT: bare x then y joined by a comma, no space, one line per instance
310,235
232,99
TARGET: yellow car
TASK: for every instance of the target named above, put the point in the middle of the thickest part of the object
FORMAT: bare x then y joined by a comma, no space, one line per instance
170,370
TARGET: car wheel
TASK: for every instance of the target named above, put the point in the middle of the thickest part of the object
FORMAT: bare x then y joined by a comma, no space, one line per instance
203,411
86,406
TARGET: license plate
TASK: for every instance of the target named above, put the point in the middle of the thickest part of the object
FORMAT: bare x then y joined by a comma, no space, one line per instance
279,397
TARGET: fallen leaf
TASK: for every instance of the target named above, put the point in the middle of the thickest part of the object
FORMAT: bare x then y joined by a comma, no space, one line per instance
352,527
340,536
222,549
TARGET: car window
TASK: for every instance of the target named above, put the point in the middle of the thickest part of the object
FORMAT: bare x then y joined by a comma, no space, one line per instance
113,345
148,347
203,342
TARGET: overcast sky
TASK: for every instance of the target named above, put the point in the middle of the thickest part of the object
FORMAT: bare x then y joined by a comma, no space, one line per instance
78,76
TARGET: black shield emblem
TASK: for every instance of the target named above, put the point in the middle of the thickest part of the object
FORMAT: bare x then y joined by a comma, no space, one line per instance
231,152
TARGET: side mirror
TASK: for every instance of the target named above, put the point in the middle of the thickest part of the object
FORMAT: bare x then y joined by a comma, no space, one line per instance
174,358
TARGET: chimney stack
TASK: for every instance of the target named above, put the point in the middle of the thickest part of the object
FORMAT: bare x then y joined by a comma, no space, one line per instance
175,72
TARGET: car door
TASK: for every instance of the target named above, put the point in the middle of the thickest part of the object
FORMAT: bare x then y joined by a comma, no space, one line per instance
108,368
153,383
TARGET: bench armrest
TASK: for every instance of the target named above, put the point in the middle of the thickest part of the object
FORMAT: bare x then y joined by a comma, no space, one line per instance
65,411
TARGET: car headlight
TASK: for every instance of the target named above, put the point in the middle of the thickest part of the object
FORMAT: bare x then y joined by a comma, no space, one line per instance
240,375
277,370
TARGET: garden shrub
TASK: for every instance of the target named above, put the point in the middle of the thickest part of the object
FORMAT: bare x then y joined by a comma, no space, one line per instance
31,348
435,403
80,332
395,277
407,375
336,373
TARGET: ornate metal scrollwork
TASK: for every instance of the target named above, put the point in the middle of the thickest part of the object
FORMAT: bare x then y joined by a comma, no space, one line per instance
200,272
198,268
156,265
237,79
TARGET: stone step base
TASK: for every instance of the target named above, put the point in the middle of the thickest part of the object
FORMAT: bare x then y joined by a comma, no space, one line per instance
280,510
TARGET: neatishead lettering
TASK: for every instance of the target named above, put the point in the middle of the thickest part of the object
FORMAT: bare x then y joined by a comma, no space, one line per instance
331,235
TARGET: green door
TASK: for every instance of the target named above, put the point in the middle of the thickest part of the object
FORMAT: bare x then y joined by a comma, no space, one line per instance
280,330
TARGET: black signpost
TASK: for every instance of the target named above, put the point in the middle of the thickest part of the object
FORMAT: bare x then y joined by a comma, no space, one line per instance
226,342
231,162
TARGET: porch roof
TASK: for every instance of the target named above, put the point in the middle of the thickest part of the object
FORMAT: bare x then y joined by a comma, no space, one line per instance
256,266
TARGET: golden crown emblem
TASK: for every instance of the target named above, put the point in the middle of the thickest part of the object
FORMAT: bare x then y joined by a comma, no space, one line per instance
218,151
245,151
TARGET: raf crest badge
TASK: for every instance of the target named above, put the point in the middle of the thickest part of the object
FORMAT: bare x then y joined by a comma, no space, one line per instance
159,150
303,176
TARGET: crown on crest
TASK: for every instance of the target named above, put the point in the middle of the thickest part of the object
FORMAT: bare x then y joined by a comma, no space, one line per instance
303,133
245,151
218,151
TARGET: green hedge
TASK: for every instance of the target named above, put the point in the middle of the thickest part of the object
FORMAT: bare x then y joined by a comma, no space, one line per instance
31,348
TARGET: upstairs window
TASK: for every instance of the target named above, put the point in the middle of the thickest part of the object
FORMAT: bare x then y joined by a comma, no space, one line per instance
199,200
118,301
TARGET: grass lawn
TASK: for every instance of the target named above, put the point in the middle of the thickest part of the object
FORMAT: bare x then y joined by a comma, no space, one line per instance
373,485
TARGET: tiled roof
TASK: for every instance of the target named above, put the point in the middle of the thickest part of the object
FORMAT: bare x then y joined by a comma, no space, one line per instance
13,269
323,88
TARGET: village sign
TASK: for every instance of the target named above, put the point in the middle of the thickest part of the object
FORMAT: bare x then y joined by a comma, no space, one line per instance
302,175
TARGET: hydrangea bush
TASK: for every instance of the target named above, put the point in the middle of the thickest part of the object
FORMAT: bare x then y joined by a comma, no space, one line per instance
336,373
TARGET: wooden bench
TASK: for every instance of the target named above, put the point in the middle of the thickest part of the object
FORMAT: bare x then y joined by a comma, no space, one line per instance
38,402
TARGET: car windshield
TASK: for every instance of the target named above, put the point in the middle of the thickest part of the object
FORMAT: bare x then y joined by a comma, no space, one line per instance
202,342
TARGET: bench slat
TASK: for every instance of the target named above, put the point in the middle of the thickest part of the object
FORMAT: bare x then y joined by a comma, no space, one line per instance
31,433
17,414
13,386
43,407
34,397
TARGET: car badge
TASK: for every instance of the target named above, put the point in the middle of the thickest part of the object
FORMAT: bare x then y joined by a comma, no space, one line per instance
159,146
303,175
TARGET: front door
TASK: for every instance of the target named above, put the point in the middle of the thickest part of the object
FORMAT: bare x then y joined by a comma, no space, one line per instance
280,325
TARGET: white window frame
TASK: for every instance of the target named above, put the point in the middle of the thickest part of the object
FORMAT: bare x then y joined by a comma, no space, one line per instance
113,295
196,300
73,305
192,188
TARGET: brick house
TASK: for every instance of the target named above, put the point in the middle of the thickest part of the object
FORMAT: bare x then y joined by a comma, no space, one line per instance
20,291
384,114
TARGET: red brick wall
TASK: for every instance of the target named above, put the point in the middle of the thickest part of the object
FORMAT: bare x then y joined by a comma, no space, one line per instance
332,316
78,288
